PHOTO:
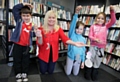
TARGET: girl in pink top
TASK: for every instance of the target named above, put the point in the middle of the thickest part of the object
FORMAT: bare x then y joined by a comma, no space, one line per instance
98,35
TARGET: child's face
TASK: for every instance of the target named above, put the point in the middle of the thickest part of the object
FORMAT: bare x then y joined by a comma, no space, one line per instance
51,20
26,17
80,29
100,19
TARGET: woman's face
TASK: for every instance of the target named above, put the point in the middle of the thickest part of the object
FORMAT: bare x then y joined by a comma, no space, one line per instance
80,29
100,19
51,20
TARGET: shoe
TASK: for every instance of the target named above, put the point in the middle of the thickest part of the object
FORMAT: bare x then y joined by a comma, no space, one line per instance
24,77
94,75
18,77
87,73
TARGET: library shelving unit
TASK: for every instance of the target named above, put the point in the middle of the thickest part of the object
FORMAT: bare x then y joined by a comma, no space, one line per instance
39,10
87,15
112,50
5,24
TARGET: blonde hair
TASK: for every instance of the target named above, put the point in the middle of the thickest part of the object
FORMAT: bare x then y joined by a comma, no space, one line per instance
101,13
45,25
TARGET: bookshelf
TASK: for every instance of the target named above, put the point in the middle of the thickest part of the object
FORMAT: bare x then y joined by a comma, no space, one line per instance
87,15
112,50
39,10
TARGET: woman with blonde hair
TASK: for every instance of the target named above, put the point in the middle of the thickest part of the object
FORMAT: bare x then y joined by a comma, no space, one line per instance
48,37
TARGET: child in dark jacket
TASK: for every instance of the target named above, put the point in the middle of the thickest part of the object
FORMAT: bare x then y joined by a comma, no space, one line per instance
22,39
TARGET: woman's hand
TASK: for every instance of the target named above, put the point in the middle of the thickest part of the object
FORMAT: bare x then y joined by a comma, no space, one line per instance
79,44
78,8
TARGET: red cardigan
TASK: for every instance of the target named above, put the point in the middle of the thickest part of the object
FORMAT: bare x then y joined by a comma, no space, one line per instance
53,40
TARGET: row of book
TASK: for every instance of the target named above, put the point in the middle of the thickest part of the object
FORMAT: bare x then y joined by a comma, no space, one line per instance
38,21
91,9
116,7
42,8
64,25
2,3
1,29
95,9
2,15
117,22
113,49
112,62
14,2
114,35
87,20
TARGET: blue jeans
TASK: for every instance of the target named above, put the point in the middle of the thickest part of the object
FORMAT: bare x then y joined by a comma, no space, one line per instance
46,67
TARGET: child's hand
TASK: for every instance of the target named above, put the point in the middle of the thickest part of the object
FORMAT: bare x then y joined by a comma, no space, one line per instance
111,7
79,44
38,33
28,4
97,40
78,9
35,27
82,65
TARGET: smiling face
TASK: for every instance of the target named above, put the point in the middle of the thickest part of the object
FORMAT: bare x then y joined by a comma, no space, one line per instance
51,20
26,17
100,18
80,29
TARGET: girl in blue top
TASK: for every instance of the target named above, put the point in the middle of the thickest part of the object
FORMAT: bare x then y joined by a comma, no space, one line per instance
76,56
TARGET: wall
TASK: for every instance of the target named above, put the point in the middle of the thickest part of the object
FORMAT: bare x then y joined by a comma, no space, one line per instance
68,4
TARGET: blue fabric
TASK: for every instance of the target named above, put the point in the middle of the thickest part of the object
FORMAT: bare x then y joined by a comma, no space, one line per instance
16,34
73,50
46,67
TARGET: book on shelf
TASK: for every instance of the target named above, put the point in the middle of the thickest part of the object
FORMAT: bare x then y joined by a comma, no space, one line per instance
116,50
117,23
91,9
1,14
113,61
2,29
11,19
87,20
86,31
63,25
106,59
116,35
14,2
116,7
111,34
109,47
2,3
117,63
10,33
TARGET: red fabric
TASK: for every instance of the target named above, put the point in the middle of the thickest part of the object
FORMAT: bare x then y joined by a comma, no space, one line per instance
25,35
53,40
